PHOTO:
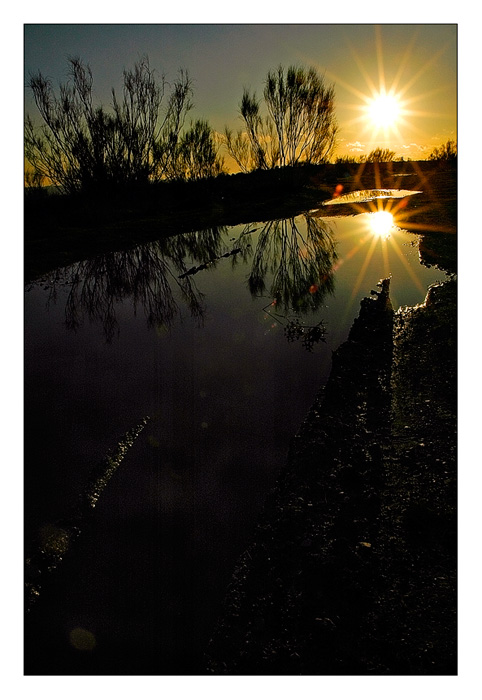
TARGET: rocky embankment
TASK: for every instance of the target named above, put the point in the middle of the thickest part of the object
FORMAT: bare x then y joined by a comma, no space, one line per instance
352,567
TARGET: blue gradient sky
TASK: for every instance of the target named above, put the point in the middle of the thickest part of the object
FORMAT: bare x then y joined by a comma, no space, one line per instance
418,60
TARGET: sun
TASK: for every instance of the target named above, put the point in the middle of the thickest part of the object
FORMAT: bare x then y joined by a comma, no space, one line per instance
388,110
384,110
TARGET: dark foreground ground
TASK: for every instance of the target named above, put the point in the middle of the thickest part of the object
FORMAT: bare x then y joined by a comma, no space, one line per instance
352,568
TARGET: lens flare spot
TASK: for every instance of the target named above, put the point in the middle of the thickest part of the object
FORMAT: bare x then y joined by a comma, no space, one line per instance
381,223
82,639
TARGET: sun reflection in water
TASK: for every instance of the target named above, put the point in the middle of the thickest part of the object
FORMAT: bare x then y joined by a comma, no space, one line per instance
381,223
375,238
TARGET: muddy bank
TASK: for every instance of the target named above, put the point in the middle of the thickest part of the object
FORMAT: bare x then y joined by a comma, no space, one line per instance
352,567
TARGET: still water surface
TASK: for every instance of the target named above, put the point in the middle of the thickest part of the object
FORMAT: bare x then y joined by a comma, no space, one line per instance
193,331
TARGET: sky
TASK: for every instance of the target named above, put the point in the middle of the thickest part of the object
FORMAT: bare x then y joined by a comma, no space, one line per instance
414,64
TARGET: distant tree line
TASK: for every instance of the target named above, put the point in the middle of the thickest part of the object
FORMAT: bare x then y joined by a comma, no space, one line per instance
445,152
377,155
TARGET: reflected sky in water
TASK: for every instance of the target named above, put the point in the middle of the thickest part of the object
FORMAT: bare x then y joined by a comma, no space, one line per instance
191,331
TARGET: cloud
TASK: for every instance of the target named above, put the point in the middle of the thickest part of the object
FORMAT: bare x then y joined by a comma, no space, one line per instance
415,146
356,146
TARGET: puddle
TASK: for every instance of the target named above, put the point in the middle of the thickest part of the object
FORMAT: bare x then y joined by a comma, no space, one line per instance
360,196
223,337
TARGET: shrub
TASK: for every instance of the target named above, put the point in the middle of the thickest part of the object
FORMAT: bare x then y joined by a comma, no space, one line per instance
83,147
447,151
298,126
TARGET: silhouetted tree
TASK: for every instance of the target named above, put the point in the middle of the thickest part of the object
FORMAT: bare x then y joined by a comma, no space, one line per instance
197,153
299,126
447,151
302,110
239,148
81,146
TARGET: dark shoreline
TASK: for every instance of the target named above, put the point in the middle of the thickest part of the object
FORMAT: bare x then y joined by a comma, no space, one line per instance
62,230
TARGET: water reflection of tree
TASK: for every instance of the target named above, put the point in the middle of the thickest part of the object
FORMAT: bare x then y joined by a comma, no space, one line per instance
299,264
292,263
149,275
